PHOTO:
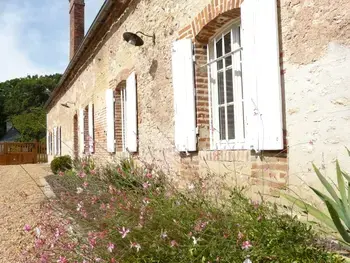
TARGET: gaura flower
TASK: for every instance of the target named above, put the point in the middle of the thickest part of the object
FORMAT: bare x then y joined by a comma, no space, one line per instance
62,260
27,228
60,173
124,231
246,245
79,206
173,243
110,247
37,232
146,185
135,245
164,235
82,174
79,190
85,184
195,240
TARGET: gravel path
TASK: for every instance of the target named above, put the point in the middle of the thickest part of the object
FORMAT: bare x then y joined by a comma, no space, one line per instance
20,199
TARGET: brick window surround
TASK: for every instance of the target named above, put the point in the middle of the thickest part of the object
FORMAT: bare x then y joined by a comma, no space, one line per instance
205,25
210,21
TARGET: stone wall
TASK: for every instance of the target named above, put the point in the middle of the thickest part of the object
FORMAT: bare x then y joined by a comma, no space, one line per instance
315,85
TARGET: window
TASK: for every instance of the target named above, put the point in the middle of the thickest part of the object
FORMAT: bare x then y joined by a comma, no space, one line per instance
120,118
226,90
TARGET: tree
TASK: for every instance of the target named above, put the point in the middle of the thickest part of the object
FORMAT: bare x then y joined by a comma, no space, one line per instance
31,125
21,99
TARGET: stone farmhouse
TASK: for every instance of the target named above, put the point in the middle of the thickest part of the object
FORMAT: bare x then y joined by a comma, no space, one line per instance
256,90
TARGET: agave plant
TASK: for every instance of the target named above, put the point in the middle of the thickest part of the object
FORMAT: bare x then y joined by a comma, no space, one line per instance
337,202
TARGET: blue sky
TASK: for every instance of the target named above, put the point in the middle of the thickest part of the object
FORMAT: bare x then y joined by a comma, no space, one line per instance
34,36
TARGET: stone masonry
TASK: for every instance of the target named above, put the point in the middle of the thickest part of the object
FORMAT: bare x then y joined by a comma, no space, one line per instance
314,130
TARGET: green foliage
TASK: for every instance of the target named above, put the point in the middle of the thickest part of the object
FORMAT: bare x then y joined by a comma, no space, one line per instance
22,96
61,164
163,224
31,124
337,202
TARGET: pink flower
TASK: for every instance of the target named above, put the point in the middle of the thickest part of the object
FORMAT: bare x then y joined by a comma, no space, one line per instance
146,185
124,232
60,173
173,243
92,242
39,243
44,258
85,184
82,174
110,247
149,175
135,245
62,260
93,172
255,204
246,245
27,228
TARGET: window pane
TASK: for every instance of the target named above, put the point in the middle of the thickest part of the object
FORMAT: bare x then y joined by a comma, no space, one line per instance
229,86
231,122
219,53
222,123
221,89
227,42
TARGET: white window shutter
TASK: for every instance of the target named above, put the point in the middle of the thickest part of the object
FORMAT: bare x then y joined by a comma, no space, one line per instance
59,141
184,95
55,140
131,114
91,127
81,131
47,141
261,74
110,120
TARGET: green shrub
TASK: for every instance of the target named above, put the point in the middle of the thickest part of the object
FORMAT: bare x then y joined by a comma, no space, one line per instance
61,163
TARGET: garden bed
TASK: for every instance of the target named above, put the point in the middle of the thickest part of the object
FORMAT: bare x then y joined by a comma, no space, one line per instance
121,213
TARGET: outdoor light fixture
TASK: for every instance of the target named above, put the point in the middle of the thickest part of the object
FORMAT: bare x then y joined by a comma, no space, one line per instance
135,40
66,104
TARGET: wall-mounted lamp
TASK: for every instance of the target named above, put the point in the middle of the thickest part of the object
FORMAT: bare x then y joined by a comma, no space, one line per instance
66,104
135,40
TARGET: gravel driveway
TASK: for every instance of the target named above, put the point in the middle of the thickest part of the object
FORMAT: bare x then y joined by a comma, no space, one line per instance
20,199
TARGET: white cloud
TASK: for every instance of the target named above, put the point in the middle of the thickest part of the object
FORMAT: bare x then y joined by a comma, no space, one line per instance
14,61
34,36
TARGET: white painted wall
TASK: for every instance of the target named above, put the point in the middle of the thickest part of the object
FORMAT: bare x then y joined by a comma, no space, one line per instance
318,116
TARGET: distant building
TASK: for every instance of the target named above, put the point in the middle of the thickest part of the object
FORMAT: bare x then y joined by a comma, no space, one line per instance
11,135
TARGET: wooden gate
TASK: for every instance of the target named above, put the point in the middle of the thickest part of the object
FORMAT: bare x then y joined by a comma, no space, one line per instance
22,153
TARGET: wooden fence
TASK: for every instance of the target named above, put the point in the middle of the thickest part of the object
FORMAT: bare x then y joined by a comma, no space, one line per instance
22,153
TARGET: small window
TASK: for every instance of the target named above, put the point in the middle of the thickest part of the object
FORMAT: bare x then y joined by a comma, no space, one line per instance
226,90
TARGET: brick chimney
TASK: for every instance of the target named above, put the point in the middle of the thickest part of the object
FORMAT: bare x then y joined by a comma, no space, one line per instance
77,17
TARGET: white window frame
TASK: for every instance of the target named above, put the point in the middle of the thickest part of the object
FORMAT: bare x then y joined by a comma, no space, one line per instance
240,141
